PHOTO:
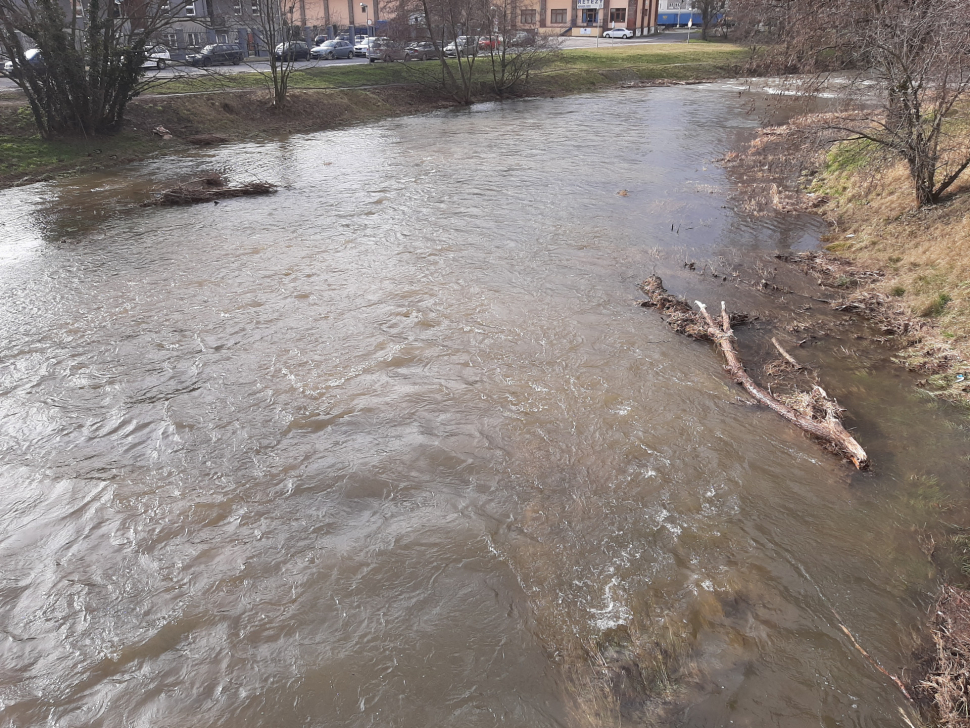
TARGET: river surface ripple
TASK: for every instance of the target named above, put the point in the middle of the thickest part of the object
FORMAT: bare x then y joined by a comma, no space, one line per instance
395,447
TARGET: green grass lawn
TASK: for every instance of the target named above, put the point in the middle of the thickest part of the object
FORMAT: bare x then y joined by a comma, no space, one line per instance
675,61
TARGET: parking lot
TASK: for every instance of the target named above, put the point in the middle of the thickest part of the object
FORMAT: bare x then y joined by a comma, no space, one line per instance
257,64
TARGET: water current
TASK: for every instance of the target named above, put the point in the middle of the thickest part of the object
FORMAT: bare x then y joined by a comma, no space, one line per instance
395,446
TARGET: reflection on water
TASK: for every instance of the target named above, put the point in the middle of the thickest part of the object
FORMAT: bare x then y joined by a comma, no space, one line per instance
394,446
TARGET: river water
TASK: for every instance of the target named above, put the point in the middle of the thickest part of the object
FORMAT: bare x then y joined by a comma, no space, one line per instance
395,446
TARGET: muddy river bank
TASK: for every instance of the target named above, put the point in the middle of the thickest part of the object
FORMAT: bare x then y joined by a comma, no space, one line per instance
397,446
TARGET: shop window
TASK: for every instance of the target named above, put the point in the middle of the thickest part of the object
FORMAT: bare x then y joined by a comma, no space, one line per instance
590,15
527,17
557,16
194,40
617,15
170,41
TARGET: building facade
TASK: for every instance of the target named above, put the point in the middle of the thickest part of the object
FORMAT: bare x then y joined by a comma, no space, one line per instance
591,18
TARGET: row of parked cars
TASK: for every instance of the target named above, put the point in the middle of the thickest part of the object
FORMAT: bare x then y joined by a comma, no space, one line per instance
157,57
373,48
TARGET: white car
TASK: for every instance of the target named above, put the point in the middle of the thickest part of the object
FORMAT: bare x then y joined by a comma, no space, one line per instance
618,33
158,57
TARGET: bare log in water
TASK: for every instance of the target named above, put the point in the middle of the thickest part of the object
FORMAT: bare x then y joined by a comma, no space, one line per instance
821,417
829,430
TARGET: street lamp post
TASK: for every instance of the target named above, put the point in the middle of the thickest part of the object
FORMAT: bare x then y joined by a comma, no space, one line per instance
363,9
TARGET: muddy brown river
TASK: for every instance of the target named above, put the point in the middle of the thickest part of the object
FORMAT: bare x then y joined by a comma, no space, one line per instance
395,446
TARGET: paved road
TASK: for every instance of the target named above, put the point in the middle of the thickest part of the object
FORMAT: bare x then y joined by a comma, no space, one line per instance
256,65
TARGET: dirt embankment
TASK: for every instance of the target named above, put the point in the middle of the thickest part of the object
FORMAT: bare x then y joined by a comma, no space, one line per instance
905,269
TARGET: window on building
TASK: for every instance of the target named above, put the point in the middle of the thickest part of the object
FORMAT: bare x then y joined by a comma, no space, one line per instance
527,17
589,15
557,16
222,38
170,41
237,7
255,7
190,9
194,40
617,15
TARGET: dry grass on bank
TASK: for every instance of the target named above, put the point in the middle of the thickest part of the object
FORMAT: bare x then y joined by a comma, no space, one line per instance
924,253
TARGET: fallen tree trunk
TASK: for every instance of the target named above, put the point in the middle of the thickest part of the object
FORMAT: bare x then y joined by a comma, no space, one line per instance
827,427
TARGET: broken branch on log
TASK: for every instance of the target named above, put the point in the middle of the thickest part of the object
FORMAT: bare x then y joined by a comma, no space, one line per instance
788,357
816,414
829,430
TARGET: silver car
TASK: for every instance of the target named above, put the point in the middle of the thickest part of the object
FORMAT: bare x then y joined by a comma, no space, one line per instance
158,57
331,49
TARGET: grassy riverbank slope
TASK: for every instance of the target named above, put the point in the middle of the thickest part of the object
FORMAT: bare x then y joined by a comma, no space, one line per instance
237,106
923,254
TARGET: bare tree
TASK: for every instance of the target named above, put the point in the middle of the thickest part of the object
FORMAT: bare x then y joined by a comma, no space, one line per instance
273,22
515,49
462,22
918,52
92,54
711,11
907,59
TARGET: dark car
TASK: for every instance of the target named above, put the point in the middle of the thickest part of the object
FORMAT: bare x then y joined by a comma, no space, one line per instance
34,59
293,50
331,49
422,50
213,55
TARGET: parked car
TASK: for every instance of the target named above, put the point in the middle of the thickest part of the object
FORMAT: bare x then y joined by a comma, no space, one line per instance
420,50
521,39
618,33
320,40
362,46
34,59
385,49
488,43
292,50
467,45
215,54
158,57
331,49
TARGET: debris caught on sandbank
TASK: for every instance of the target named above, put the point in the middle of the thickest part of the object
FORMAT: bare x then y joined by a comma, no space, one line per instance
944,690
814,412
209,188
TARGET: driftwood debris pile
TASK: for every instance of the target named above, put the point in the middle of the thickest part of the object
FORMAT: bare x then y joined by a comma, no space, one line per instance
814,412
677,313
945,688
211,187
